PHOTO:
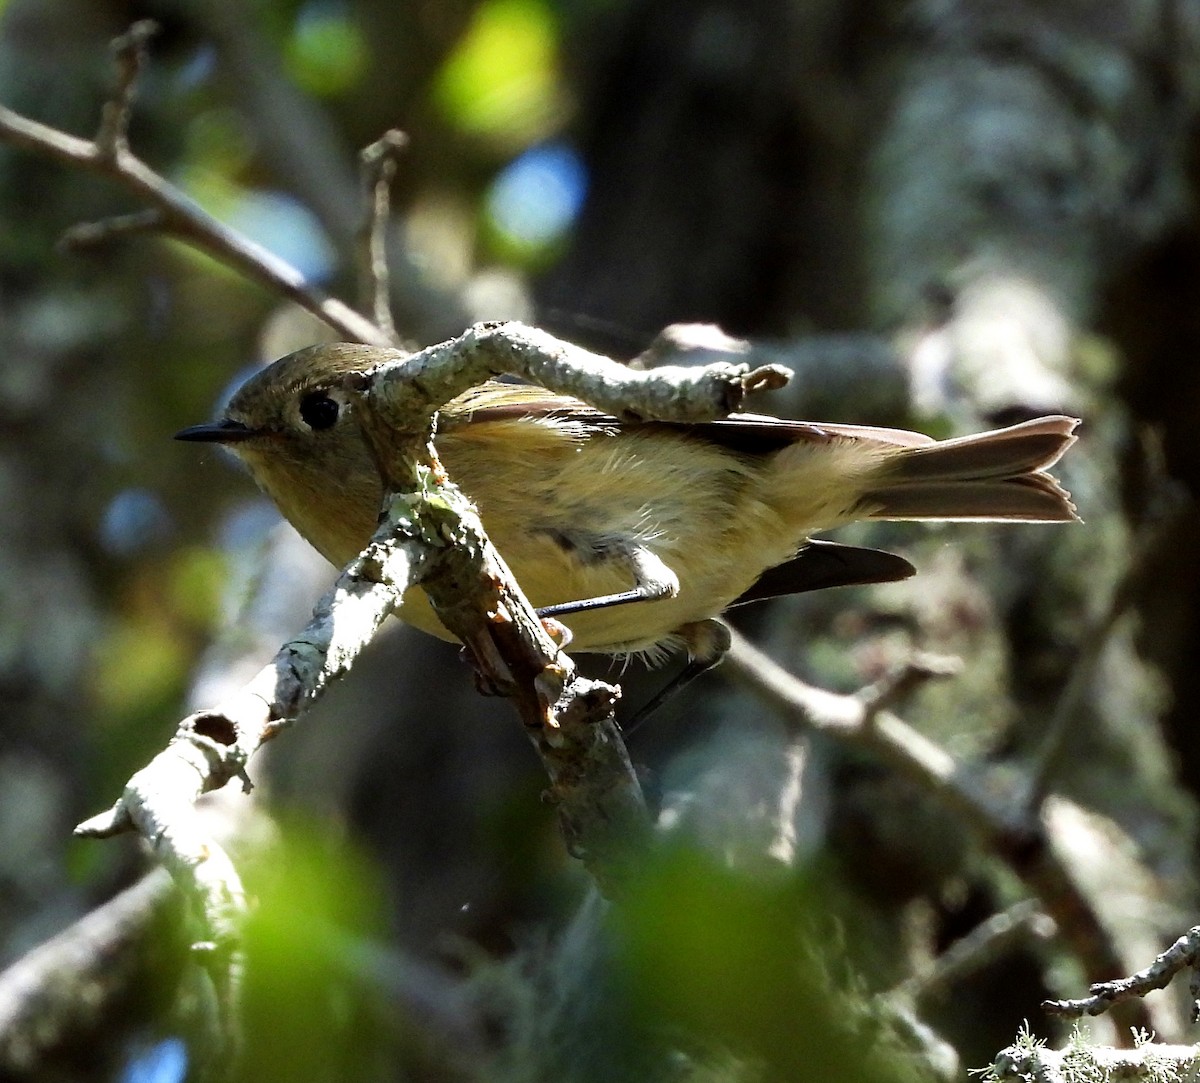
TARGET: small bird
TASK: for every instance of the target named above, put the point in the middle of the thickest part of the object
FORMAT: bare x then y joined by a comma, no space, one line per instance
635,535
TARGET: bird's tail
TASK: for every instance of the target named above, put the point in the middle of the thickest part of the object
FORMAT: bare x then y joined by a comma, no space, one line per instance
992,476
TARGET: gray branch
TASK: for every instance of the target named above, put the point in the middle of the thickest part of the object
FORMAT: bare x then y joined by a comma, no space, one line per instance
61,994
670,392
1185,952
109,155
1017,837
378,169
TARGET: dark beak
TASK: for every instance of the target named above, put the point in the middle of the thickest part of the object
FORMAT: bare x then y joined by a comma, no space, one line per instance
218,432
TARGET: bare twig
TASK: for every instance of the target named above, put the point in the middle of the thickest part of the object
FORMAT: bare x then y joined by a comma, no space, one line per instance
1020,841
130,52
84,235
109,155
896,686
984,943
854,718
1185,952
379,162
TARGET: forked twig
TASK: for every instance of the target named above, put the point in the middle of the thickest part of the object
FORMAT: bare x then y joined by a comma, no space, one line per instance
1019,840
1185,952
129,49
108,155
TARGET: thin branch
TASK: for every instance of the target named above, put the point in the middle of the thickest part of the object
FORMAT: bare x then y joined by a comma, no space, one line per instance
1185,952
989,940
1021,842
184,218
378,164
854,718
63,993
668,393
130,51
84,235
903,681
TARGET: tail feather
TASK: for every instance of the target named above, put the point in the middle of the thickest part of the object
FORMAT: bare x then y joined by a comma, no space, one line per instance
992,476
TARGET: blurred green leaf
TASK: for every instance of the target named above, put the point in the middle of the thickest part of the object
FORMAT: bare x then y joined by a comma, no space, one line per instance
307,1015
502,80
140,662
217,141
738,962
327,53
196,579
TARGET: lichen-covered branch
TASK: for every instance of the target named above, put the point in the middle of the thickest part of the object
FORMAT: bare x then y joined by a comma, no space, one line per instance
667,393
1185,952
569,718
212,747
1029,1061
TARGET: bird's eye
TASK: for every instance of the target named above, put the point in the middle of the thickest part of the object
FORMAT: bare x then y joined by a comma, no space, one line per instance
318,411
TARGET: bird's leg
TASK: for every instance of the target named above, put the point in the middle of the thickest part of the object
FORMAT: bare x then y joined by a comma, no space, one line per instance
707,642
652,579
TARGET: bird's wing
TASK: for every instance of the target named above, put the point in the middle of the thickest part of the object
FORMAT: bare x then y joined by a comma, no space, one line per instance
751,434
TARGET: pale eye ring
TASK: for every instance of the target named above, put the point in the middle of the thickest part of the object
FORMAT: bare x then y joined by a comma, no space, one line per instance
319,411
